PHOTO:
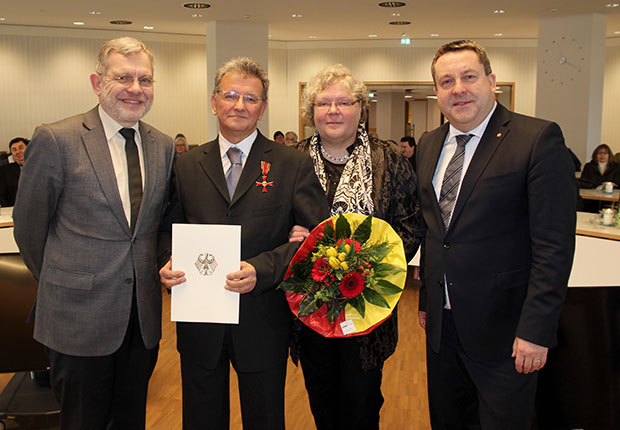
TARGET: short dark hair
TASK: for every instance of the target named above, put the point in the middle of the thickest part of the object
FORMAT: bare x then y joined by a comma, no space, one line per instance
460,45
409,139
277,133
18,139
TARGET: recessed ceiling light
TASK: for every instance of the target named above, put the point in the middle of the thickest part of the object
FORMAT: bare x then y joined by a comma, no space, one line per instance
78,23
312,37
148,27
374,101
498,34
95,12
400,22
269,35
2,18
372,35
120,22
434,34
553,9
296,15
395,14
408,96
431,97
197,15
247,17
196,5
498,91
392,4
499,11
612,5
616,32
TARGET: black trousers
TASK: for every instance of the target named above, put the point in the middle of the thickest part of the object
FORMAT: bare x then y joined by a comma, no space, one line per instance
342,395
206,393
107,392
468,394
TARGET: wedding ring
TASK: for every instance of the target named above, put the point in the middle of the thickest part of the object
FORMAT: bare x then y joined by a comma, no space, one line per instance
536,361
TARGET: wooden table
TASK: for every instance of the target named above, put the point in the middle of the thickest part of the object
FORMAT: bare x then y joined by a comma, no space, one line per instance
589,224
594,194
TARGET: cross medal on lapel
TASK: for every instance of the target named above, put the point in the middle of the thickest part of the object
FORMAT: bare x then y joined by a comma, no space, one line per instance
264,167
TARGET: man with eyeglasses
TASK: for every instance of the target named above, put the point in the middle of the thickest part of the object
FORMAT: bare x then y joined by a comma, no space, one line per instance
86,218
245,179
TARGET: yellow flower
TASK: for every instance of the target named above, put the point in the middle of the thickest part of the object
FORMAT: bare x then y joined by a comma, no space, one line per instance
334,262
347,247
331,252
342,256
344,265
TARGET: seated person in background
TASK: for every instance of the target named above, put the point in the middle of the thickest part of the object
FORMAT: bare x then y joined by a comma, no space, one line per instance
407,148
290,138
278,137
180,143
600,169
9,173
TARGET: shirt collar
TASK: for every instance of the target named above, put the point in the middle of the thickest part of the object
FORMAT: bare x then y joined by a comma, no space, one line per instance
110,126
478,131
245,145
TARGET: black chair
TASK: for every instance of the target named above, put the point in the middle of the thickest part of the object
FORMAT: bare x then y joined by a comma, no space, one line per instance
27,399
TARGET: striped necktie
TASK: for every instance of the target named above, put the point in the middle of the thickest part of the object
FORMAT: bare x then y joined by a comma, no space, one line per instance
234,172
133,173
452,179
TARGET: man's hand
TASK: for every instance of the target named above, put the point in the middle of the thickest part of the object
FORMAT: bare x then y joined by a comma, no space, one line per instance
168,277
422,319
242,281
298,234
529,357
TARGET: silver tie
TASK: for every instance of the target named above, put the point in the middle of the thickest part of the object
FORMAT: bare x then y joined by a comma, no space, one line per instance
234,172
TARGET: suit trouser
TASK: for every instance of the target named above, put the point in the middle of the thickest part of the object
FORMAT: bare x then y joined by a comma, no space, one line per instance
342,395
206,393
107,392
468,394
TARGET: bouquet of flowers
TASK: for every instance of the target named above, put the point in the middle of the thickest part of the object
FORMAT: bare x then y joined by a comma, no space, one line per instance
347,276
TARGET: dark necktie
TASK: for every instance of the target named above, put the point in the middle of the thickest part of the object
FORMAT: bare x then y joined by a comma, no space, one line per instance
134,175
452,179
234,172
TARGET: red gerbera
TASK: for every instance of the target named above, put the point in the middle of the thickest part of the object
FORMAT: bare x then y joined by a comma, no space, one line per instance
355,243
352,284
320,269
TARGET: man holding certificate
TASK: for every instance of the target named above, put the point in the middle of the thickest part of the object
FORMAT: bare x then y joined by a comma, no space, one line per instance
242,178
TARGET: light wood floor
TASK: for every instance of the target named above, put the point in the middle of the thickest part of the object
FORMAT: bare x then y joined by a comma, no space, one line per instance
404,380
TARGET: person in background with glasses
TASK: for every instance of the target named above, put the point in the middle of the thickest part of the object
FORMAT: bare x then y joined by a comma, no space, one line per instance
242,178
359,174
86,219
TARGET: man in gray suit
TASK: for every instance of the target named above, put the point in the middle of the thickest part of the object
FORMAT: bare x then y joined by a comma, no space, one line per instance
86,221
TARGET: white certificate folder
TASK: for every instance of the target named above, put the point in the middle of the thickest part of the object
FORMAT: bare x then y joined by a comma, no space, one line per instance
206,253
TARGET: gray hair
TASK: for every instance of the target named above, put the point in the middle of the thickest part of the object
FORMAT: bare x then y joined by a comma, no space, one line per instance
244,66
336,74
124,46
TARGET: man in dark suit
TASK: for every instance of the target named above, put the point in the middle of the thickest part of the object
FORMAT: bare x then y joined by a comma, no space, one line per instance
9,173
276,189
498,198
87,215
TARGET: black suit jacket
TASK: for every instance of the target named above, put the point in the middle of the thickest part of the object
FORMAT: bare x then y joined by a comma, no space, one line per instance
9,178
508,251
261,338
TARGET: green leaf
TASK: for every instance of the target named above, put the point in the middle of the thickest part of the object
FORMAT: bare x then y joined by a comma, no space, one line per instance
380,251
362,233
375,298
359,304
343,229
308,305
388,288
328,234
385,269
333,310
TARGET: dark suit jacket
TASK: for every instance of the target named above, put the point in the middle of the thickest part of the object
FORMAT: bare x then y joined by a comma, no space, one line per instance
74,237
261,338
9,178
508,251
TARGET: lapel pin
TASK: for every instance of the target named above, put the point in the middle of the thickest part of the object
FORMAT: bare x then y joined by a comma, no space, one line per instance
499,135
264,168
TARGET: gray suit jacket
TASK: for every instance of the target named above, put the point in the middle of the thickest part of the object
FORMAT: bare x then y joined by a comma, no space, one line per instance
73,236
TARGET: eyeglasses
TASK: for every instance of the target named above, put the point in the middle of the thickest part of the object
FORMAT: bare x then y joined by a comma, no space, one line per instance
127,80
233,96
340,104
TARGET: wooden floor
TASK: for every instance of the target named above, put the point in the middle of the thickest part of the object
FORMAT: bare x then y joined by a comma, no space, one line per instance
404,380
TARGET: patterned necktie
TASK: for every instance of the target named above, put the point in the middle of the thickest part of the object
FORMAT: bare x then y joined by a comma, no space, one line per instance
234,172
134,176
452,179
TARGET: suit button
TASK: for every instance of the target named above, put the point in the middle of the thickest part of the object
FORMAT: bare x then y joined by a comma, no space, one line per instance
446,245
128,281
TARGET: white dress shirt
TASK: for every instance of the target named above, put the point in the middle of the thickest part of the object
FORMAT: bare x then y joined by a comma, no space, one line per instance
244,146
116,145
448,150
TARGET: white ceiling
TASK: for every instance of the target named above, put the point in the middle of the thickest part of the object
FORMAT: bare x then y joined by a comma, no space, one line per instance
320,20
